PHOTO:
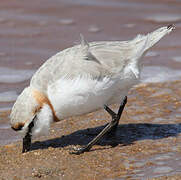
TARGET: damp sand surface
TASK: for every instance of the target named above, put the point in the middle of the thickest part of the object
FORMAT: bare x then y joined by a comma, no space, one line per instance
147,142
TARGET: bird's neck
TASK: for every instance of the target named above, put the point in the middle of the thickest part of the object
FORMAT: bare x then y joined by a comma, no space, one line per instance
42,99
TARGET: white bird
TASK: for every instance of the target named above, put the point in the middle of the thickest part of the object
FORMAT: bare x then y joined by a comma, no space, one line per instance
79,80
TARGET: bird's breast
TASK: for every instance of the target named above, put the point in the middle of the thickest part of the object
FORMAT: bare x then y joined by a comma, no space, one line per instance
80,95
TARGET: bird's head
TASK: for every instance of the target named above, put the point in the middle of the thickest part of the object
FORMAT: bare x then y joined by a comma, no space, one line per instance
31,114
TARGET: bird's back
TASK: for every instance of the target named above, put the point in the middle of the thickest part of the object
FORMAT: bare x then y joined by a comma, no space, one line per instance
99,60
95,59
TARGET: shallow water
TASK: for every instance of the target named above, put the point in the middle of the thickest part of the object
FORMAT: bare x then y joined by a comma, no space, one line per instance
31,33
160,164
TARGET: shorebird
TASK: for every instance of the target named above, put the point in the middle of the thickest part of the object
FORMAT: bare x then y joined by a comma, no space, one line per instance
79,80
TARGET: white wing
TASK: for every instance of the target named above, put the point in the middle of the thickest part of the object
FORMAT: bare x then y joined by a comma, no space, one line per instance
96,59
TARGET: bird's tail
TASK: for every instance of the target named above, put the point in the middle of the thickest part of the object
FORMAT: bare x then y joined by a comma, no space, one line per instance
144,42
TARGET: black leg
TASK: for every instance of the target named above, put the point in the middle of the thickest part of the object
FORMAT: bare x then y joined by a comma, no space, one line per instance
27,138
116,116
113,124
26,143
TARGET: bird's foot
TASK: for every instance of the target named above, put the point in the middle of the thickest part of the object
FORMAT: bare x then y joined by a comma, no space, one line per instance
79,150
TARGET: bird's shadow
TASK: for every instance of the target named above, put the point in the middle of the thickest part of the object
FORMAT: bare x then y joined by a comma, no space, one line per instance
125,134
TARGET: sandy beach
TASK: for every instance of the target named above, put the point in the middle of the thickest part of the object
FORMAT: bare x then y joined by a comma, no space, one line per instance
146,145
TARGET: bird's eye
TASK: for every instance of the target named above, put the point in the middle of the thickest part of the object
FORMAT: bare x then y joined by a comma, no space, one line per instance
18,127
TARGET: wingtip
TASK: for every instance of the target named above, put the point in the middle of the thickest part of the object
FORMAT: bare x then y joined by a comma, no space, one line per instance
171,27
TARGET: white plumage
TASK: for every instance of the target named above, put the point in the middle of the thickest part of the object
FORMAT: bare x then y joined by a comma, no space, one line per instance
43,121
82,79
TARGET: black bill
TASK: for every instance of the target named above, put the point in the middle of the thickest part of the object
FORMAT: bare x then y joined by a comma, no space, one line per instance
27,138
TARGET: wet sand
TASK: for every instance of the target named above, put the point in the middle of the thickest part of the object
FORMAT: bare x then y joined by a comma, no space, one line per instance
146,146
30,33
147,143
